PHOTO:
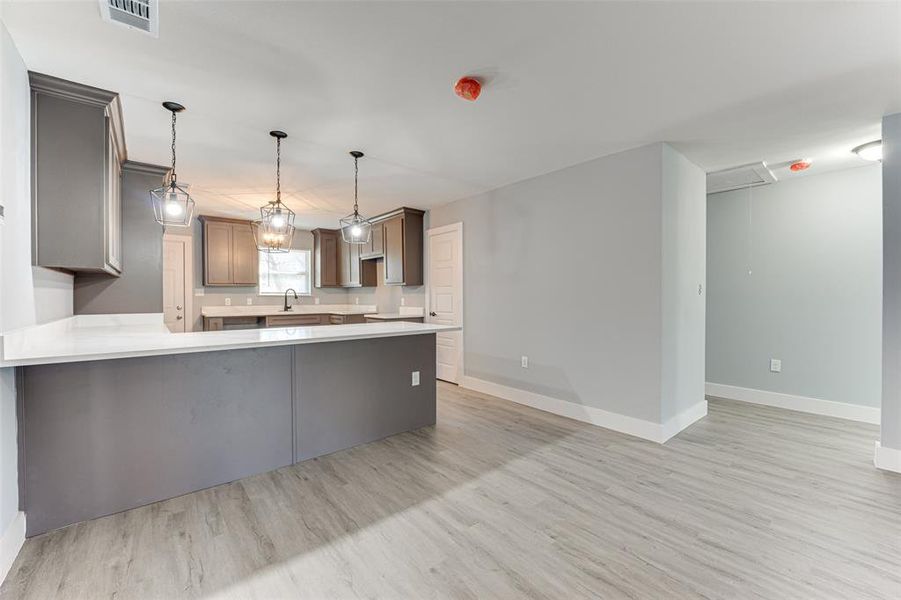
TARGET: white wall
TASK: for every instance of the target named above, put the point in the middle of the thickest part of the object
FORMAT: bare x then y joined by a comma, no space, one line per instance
27,295
598,228
813,297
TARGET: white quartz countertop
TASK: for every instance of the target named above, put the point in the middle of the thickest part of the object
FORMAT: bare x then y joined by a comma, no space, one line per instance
262,310
105,337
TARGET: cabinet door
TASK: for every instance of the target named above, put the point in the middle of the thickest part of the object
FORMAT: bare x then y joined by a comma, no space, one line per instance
376,242
245,260
373,249
353,260
343,263
328,261
113,205
218,250
394,250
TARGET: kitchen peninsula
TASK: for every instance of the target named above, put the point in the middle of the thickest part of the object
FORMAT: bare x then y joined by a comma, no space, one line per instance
116,412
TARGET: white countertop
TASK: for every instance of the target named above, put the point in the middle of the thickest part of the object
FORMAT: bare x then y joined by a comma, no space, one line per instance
265,310
104,337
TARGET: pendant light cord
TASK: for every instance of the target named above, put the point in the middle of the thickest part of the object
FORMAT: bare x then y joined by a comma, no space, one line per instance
356,172
278,170
173,146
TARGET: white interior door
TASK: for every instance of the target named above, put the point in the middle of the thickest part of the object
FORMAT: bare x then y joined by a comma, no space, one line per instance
445,297
174,255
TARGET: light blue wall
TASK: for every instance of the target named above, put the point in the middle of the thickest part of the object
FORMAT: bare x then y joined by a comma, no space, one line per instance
813,296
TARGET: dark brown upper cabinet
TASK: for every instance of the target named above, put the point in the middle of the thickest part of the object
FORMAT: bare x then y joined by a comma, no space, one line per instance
353,271
77,148
374,248
338,264
402,246
230,255
325,258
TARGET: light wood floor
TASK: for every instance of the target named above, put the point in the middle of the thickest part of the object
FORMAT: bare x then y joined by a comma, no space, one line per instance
501,501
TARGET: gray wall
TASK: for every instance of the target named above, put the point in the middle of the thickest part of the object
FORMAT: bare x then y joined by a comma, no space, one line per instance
684,272
597,228
813,296
891,315
140,287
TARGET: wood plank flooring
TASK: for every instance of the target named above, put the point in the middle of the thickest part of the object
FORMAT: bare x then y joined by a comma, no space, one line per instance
502,501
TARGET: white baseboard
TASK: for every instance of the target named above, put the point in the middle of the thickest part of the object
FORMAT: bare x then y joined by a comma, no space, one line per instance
816,406
647,430
888,459
11,543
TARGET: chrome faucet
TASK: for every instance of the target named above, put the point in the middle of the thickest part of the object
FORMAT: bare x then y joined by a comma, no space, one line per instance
287,306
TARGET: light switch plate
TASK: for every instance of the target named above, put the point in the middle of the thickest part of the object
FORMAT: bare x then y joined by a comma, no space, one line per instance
249,301
415,378
403,301
316,301
199,291
524,361
775,365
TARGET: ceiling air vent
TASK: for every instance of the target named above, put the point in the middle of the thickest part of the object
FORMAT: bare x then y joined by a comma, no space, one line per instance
142,15
737,178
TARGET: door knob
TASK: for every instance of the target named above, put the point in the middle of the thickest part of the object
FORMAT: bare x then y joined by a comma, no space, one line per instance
179,318
433,314
177,308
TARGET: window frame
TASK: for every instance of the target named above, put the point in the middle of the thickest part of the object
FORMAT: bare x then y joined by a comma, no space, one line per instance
309,274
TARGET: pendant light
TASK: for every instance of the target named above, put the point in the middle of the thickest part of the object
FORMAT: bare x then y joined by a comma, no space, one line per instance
274,231
172,205
355,228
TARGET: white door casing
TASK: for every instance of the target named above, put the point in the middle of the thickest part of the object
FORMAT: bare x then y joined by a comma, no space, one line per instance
177,312
444,297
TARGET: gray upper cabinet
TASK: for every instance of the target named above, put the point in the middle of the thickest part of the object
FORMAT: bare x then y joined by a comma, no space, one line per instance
77,147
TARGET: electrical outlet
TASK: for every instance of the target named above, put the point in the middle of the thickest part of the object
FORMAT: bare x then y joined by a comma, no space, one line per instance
403,301
228,301
775,365
249,301
356,300
524,361
315,300
199,291
415,378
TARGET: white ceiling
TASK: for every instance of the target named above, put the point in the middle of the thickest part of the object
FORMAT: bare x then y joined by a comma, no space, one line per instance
727,83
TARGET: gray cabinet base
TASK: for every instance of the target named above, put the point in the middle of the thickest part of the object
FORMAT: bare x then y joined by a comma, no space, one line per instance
101,437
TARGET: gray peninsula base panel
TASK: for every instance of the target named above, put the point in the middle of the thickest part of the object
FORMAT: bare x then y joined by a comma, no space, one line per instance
100,437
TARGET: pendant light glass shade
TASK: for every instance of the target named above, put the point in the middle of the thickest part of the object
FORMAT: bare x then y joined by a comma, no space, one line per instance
355,228
274,231
172,204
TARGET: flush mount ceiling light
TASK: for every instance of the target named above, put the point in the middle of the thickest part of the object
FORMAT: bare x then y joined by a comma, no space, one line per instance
274,231
355,228
172,205
869,151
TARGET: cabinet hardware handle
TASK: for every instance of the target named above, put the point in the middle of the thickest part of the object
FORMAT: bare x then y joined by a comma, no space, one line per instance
179,318
177,308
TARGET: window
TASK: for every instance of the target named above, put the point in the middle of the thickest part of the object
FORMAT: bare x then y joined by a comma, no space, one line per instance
280,271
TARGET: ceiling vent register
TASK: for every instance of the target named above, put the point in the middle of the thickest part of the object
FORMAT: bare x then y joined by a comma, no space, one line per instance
737,178
142,15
